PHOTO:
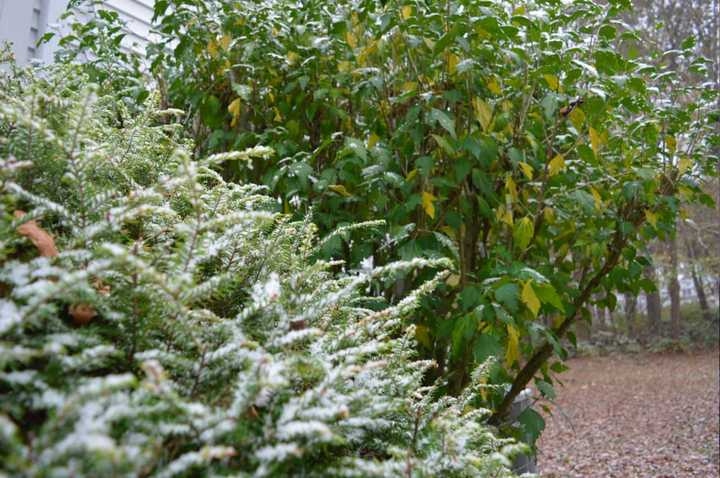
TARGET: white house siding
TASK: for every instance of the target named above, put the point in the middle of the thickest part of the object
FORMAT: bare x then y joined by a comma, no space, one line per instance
137,14
24,22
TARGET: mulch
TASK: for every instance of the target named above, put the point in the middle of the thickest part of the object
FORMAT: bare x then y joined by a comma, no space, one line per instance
645,415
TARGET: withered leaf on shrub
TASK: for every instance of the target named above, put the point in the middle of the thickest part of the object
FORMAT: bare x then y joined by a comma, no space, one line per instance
81,313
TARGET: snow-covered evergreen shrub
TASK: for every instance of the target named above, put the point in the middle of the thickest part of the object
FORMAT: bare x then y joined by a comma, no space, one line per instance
219,346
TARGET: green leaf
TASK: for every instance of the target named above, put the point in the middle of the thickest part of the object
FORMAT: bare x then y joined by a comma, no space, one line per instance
486,346
508,295
607,32
547,390
558,367
448,38
445,121
444,144
464,328
462,168
548,295
533,425
211,111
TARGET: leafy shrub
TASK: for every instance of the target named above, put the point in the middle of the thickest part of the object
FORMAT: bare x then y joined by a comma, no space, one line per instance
525,142
214,344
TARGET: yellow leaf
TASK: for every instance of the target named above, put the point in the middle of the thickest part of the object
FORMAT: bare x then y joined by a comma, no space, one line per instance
686,193
427,204
684,164
513,347
366,52
212,49
453,280
453,61
429,43
596,140
340,189
350,39
409,86
556,165
483,112
527,170
234,110
292,57
671,143
598,199
483,388
549,214
577,118
406,12
422,335
511,187
529,298
225,41
278,116
651,217
449,231
494,86
504,215
523,233
372,140
411,175
344,66
552,81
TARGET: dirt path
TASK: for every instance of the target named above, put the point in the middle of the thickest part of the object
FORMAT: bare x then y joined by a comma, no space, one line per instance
635,416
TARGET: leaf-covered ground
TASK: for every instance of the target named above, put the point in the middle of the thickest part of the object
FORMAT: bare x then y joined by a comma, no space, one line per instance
635,416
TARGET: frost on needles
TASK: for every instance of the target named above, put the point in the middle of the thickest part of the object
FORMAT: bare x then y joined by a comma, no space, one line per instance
218,346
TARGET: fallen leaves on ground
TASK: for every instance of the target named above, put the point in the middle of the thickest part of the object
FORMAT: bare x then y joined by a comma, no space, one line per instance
635,416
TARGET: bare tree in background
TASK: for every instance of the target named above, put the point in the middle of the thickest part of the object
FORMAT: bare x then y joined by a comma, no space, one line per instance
665,25
674,287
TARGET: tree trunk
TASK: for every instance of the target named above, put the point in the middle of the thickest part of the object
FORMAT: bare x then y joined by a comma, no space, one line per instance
608,317
652,300
630,309
674,288
697,281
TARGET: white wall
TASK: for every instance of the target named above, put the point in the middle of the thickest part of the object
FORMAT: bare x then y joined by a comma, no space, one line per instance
137,14
24,22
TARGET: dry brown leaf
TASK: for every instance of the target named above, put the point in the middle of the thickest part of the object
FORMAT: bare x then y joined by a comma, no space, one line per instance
38,236
82,313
